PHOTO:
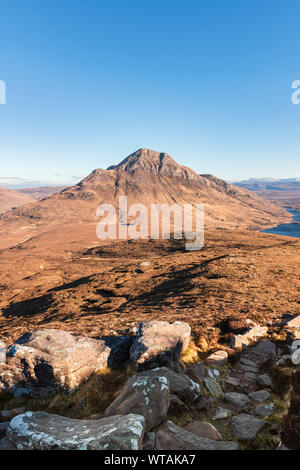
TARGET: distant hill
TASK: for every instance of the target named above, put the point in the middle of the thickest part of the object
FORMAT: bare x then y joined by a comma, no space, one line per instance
285,191
41,192
10,199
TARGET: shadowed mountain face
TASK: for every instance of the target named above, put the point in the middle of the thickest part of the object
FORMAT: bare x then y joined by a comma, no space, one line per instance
148,177
10,199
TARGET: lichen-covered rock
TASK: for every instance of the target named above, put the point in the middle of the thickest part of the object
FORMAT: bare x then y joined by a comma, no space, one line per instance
263,411
180,384
172,437
211,382
144,395
222,413
245,427
43,431
159,342
50,360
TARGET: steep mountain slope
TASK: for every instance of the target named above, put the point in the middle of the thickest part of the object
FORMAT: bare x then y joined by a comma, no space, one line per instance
146,177
10,199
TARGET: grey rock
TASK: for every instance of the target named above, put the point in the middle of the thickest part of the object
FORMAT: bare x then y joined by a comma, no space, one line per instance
149,441
263,411
238,399
222,413
3,426
260,396
144,395
158,342
233,381
213,387
245,426
204,403
7,415
43,431
265,380
172,437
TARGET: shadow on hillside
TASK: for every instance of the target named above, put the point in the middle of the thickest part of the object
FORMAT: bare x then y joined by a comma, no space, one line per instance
30,307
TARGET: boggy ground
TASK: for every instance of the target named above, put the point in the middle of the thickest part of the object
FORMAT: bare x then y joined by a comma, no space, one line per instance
70,280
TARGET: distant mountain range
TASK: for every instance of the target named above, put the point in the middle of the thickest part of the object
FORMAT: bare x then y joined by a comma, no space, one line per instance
15,198
285,191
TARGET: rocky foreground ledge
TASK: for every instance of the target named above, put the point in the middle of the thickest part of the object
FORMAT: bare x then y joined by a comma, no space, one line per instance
229,400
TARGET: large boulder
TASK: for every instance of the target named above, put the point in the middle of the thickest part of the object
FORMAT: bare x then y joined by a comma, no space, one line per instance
172,437
43,431
148,396
50,360
159,343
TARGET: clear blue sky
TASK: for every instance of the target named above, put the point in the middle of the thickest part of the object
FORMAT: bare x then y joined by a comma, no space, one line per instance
209,82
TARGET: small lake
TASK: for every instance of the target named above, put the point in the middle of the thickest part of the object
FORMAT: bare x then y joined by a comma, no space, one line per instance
289,230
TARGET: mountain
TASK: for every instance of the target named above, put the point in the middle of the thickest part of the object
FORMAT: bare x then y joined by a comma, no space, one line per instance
41,192
284,191
148,177
10,199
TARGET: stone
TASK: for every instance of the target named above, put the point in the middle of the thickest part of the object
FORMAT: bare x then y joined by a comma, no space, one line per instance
196,372
240,341
238,399
217,359
293,322
149,441
263,411
260,396
177,405
148,396
204,403
233,381
172,437
3,427
245,427
265,380
213,387
180,384
222,413
43,431
159,342
5,444
49,360
204,429
7,415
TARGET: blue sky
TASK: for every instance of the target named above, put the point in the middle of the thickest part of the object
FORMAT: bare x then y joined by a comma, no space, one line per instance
89,82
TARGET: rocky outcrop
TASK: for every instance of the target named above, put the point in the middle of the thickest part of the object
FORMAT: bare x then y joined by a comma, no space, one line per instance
253,333
49,360
148,396
217,359
172,437
159,343
204,429
42,431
